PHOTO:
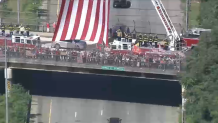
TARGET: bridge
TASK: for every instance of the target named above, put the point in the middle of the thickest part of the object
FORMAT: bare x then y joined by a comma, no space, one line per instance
146,20
76,64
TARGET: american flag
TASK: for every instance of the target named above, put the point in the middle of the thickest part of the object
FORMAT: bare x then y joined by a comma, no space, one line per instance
83,20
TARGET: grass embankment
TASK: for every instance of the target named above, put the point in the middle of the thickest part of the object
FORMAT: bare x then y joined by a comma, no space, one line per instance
193,13
28,13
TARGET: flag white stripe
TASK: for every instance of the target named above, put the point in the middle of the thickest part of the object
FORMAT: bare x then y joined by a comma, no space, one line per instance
92,21
98,33
62,23
83,19
105,26
72,19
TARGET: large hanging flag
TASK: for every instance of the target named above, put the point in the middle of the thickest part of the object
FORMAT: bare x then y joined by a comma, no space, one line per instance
83,20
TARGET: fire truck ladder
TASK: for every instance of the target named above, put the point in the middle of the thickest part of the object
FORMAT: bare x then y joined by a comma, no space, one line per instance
171,31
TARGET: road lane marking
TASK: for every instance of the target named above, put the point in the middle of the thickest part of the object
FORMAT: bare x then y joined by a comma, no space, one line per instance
75,114
101,112
49,119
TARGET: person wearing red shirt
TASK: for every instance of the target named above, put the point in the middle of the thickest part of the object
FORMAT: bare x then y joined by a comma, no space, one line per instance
54,25
48,26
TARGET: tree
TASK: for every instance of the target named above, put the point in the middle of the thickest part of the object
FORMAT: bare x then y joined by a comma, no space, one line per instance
201,77
18,105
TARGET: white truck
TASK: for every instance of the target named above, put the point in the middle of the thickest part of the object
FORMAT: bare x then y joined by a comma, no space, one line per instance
123,44
22,39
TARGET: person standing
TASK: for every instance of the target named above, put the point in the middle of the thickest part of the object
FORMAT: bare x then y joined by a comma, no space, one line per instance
17,29
27,30
140,39
3,29
128,31
48,26
156,41
119,34
130,37
11,28
150,39
110,30
54,26
22,29
145,40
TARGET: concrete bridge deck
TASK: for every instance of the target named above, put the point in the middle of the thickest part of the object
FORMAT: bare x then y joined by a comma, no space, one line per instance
89,68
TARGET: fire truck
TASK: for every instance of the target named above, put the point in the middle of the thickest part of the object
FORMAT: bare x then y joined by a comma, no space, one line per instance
171,31
22,41
191,38
188,41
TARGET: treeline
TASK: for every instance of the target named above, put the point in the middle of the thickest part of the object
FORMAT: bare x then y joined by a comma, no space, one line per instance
201,77
18,105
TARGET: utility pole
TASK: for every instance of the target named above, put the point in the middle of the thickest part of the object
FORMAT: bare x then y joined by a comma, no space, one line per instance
6,84
187,14
18,11
149,27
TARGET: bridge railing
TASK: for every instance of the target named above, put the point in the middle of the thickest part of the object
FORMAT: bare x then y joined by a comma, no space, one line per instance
148,63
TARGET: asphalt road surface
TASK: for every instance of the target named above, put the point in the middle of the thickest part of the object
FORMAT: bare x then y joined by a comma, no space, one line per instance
142,12
72,110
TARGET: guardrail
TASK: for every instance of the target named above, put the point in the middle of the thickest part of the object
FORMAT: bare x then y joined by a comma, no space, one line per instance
94,59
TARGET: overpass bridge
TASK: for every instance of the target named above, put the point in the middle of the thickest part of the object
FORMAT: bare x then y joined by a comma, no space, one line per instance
78,65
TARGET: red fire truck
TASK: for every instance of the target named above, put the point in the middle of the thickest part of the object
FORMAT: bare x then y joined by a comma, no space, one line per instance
21,41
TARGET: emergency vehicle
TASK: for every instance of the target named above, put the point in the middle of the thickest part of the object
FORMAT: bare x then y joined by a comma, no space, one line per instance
191,38
22,41
121,45
188,42
171,31
198,31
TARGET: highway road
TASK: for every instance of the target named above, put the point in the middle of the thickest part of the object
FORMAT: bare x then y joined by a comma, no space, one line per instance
142,11
72,110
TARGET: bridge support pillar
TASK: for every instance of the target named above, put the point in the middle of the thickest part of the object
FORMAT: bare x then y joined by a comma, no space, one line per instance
8,78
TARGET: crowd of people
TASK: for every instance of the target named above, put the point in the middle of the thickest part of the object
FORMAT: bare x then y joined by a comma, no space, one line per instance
142,40
21,29
148,60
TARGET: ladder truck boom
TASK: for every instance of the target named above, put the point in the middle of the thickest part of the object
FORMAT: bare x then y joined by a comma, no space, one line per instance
171,31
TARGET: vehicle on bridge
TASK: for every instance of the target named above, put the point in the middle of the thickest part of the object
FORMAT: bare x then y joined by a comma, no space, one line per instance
186,41
121,4
191,37
70,44
114,120
22,41
123,44
197,31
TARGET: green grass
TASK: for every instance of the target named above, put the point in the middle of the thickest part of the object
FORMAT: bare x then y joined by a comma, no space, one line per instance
26,17
193,14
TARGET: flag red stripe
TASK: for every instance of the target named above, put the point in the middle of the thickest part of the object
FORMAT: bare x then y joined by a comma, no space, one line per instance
88,18
78,17
59,19
96,21
103,24
67,20
108,22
